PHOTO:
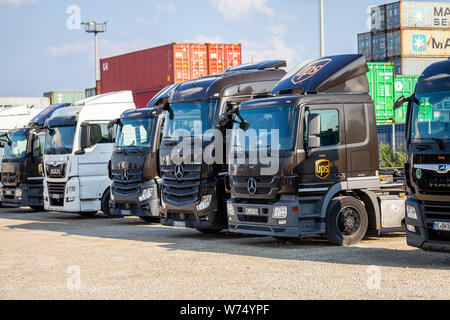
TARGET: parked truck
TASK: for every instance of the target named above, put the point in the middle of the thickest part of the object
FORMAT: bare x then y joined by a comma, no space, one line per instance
193,190
317,169
428,160
21,171
134,165
78,147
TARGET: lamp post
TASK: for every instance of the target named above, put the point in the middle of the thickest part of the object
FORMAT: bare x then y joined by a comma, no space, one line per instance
95,28
322,31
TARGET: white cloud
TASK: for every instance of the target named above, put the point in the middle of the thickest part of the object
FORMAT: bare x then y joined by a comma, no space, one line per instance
168,7
16,3
207,39
234,10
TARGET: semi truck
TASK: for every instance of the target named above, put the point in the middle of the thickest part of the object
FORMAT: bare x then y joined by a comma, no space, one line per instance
134,165
317,170
78,147
21,171
193,189
428,160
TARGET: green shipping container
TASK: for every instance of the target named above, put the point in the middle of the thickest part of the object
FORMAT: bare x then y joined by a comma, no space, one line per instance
381,89
403,86
65,97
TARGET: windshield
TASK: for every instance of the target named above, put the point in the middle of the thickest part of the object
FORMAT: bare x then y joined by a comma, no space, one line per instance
136,133
17,149
192,119
431,118
265,124
59,140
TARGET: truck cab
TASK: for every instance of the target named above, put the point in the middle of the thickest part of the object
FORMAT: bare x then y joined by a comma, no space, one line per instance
78,147
428,160
22,174
308,163
193,165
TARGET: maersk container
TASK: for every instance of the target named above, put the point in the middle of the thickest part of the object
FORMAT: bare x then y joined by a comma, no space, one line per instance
425,14
403,86
365,45
425,43
146,72
59,97
381,86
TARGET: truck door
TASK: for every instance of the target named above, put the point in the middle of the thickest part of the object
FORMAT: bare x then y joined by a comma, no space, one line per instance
93,164
326,165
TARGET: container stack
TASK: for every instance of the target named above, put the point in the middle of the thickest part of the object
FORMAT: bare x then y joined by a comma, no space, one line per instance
58,97
410,34
146,72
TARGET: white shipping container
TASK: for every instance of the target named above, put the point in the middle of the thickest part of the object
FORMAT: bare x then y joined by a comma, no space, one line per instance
425,43
421,14
415,66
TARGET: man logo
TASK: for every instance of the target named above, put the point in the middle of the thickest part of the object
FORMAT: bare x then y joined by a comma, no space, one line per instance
309,71
179,172
251,187
322,169
419,43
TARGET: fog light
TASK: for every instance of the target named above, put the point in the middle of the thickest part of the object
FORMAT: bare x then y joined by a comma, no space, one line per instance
206,201
70,199
411,228
282,221
230,209
411,212
146,194
279,212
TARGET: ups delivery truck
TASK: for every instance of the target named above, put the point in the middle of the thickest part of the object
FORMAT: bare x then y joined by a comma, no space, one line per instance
317,169
193,188
428,160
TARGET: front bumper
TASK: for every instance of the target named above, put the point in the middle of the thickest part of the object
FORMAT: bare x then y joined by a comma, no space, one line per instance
293,226
32,195
121,206
62,204
420,238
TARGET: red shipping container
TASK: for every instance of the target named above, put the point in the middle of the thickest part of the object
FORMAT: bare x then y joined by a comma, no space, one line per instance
148,71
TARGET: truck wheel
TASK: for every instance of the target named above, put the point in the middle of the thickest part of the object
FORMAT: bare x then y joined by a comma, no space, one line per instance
105,203
37,208
346,222
209,231
87,214
150,219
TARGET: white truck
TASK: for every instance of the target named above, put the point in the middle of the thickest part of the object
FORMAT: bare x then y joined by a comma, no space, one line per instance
78,147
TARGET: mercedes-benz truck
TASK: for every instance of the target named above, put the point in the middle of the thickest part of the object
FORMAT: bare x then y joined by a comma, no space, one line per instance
78,147
308,163
21,171
192,153
428,160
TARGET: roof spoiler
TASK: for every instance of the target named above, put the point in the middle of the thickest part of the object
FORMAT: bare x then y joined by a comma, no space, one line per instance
264,65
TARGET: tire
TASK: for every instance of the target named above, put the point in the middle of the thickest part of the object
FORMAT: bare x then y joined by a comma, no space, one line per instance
87,214
105,203
209,231
347,221
37,208
150,219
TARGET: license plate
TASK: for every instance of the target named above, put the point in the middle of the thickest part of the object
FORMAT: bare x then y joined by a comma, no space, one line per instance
251,211
56,196
179,224
125,212
441,226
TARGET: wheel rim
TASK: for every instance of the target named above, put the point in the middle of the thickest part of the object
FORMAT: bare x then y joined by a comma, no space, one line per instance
348,221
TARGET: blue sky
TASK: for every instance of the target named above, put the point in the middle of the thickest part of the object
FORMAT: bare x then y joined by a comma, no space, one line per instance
40,53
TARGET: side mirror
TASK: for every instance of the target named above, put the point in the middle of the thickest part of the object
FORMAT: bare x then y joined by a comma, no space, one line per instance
169,109
112,123
84,139
400,101
314,130
36,147
223,120
244,125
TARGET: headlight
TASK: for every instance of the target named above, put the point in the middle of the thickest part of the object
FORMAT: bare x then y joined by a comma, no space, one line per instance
411,228
206,201
71,189
230,209
411,212
279,212
146,194
70,199
18,193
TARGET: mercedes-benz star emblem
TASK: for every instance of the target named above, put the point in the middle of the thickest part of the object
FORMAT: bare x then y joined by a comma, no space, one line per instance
125,175
251,187
179,172
443,167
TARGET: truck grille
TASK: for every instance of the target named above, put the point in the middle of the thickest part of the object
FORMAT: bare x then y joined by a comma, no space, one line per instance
183,189
127,183
56,193
434,183
55,171
9,179
266,186
436,211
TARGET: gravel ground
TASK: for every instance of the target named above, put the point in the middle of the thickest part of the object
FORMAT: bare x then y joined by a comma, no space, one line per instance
64,256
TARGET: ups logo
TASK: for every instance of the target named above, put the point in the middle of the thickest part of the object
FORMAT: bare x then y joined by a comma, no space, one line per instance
310,70
322,169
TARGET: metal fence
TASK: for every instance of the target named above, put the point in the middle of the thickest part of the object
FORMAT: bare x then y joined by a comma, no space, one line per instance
393,135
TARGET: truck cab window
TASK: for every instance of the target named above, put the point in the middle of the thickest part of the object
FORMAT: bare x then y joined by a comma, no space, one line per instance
99,134
329,127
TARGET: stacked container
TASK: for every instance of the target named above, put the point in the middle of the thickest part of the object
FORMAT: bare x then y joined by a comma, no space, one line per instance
65,96
412,34
381,89
146,72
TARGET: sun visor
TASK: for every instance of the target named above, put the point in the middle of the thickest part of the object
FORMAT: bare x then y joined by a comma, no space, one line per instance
333,74
435,78
40,118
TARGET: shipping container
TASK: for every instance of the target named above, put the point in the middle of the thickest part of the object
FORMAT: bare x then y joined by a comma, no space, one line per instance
425,43
393,47
378,15
381,86
90,92
403,86
65,97
413,66
148,71
424,14
379,46
365,45
393,16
